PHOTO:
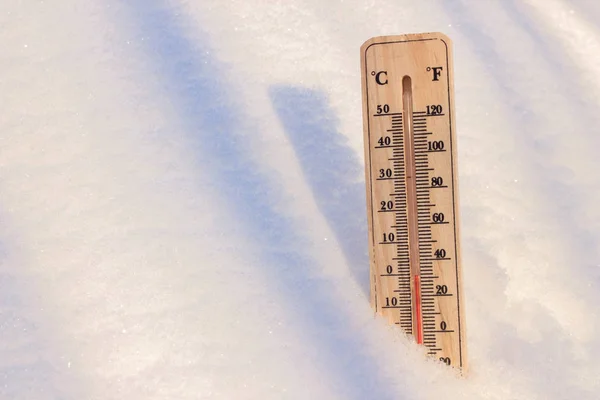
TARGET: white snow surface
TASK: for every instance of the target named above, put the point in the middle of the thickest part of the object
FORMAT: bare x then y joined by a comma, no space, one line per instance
182,206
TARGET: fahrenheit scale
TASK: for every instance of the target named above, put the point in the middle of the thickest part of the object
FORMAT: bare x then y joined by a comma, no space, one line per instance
412,199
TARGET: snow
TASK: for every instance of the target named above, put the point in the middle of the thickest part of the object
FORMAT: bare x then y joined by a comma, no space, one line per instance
182,210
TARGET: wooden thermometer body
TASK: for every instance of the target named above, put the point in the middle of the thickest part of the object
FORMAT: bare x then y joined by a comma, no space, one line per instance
412,199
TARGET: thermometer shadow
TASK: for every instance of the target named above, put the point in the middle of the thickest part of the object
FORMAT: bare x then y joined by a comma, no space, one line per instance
331,168
205,101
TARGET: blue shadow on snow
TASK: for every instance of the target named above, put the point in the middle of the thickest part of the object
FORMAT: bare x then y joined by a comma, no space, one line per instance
331,168
198,88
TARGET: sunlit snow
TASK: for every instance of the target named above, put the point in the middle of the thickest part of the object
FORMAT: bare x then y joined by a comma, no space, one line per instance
182,204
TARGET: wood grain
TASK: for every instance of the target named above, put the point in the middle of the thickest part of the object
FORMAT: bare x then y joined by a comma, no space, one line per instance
412,190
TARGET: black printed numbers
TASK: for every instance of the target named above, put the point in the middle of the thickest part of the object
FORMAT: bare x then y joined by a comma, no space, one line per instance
387,205
385,173
385,141
446,360
383,109
436,145
440,253
437,181
434,109
437,218
388,237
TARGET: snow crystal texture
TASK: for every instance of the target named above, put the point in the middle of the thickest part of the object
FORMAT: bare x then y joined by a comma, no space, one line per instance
182,206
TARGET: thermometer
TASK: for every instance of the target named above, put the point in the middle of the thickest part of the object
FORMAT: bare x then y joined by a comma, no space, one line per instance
412,199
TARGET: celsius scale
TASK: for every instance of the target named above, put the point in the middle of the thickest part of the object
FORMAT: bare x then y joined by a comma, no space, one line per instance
412,199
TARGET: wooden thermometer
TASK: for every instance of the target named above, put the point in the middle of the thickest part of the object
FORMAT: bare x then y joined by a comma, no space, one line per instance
412,199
